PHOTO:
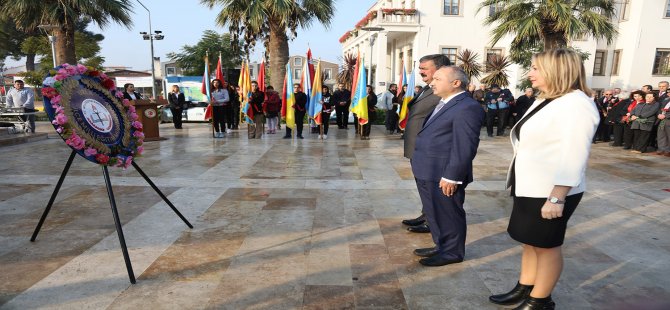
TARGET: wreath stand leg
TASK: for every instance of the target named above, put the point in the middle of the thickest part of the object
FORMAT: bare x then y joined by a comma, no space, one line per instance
53,196
112,202
117,223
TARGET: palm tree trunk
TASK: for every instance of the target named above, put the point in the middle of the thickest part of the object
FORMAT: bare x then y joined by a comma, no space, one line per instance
30,62
278,56
65,45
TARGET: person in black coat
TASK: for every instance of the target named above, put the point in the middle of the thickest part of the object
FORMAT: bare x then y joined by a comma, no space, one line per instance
130,93
615,115
341,99
300,109
372,103
177,102
523,103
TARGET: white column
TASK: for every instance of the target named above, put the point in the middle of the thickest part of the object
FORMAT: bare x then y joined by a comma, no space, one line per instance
380,48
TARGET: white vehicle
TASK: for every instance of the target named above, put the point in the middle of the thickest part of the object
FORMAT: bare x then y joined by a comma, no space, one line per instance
194,113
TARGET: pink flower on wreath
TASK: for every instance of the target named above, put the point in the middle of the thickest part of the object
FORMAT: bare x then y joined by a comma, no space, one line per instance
48,92
126,103
118,94
55,99
90,151
60,119
131,109
59,109
133,116
138,134
102,158
137,125
76,142
63,72
59,129
103,76
128,162
59,77
140,150
71,70
81,69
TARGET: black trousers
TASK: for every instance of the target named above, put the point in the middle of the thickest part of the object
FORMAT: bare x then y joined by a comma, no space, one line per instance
342,114
367,127
627,137
299,121
228,116
617,129
491,115
391,120
641,140
325,120
218,119
176,117
236,115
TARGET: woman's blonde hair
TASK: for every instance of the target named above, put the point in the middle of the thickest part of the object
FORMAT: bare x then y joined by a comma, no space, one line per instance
562,70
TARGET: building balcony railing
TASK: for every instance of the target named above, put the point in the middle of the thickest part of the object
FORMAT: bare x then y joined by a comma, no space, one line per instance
382,17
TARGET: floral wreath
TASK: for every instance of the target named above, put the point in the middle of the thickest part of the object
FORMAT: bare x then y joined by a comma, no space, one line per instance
57,91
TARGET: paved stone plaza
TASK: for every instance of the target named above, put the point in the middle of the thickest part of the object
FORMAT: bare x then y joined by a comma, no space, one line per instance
283,224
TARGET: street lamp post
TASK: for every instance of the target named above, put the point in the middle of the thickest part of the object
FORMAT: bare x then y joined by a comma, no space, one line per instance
372,42
151,36
52,40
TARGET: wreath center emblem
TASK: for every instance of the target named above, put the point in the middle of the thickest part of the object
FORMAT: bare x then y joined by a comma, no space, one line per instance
96,115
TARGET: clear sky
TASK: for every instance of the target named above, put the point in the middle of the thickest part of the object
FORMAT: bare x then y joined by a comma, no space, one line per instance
183,22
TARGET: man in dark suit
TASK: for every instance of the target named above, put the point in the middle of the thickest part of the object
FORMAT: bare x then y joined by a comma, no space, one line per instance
442,165
423,103
342,99
177,102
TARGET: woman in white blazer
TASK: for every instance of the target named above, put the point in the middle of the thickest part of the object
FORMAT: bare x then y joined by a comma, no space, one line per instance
547,175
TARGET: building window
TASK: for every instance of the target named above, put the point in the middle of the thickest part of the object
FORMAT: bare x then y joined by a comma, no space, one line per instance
625,9
251,71
599,63
327,74
297,73
409,58
451,53
495,8
490,53
662,62
171,71
667,9
452,7
616,60
297,61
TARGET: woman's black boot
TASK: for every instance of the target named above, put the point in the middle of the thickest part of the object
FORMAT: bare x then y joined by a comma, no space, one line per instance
532,303
513,297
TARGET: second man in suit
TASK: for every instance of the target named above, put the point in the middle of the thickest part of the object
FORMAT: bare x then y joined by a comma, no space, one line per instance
423,103
442,165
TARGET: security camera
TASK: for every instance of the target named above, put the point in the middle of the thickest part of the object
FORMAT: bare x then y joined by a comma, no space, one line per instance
159,37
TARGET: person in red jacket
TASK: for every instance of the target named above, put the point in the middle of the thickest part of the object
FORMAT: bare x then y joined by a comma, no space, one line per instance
271,107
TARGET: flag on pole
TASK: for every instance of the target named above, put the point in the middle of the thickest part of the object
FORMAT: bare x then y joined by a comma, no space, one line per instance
310,64
409,95
359,104
354,83
403,76
315,105
246,93
307,85
219,71
288,99
204,89
261,77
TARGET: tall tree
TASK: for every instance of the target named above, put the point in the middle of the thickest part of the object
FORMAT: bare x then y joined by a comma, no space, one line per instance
270,21
546,24
28,14
190,58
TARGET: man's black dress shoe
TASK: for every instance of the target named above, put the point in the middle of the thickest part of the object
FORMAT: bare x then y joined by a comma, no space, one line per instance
422,229
532,303
518,294
426,252
434,261
417,221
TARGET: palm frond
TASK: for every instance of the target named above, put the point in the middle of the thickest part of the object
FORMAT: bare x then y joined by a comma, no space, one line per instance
498,70
469,62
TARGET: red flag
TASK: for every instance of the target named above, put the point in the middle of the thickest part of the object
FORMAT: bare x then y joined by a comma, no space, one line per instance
283,99
356,69
261,77
311,66
208,112
219,71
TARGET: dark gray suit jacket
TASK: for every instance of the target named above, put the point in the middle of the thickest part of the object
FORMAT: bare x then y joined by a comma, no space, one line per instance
418,111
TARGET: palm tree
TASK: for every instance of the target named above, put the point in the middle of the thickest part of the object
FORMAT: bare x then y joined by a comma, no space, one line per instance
269,21
28,14
346,74
497,66
469,63
548,24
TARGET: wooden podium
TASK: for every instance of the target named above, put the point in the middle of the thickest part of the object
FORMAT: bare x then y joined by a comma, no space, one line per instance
147,113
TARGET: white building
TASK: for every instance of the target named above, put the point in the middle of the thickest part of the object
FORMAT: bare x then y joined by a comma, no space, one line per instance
639,55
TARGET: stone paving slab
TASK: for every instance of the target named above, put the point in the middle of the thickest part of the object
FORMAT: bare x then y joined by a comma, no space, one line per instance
308,224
